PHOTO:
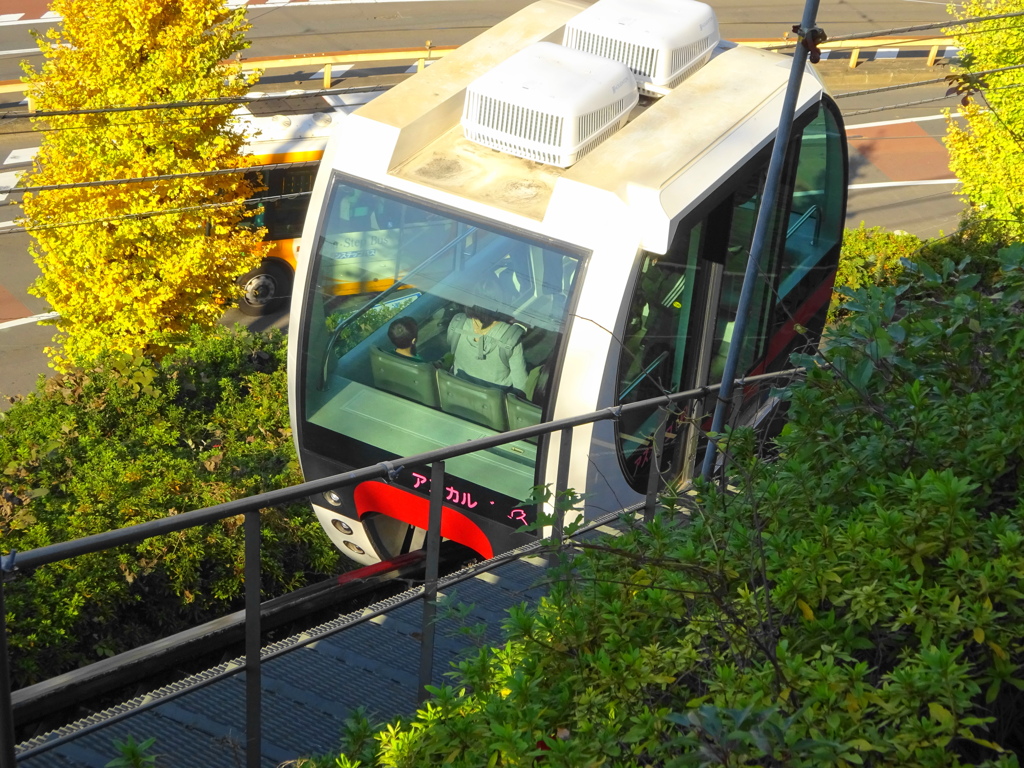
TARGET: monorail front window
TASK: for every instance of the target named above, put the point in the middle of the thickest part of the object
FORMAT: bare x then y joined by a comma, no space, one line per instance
425,331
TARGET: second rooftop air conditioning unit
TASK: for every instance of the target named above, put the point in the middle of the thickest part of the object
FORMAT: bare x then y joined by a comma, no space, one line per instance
548,103
662,41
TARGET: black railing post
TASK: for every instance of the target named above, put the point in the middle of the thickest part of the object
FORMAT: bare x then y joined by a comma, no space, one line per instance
430,580
654,476
561,485
253,681
7,758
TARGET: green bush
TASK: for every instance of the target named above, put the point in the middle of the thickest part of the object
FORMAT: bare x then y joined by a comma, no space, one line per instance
857,601
131,440
870,256
976,239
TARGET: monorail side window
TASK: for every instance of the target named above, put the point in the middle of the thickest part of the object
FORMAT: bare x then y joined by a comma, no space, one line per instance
816,218
680,321
427,331
657,341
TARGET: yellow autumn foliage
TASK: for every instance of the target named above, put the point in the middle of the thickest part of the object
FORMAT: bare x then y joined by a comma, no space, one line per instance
119,276
987,153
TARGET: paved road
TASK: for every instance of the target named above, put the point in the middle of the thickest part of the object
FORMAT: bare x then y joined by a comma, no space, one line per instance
880,154
899,171
306,26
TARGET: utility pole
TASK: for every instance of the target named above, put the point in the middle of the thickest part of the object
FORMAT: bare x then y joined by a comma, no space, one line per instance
809,37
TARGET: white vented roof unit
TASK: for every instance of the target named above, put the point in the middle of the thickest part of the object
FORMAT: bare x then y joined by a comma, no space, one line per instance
548,103
662,41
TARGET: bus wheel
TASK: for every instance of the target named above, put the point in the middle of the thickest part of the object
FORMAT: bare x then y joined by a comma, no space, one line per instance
265,289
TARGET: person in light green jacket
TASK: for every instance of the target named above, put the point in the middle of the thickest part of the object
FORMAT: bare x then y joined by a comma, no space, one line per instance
487,350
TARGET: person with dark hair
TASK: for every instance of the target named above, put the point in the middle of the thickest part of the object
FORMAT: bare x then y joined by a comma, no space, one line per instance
487,350
402,332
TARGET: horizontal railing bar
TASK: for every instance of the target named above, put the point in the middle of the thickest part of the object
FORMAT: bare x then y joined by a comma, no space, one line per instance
69,688
98,542
234,666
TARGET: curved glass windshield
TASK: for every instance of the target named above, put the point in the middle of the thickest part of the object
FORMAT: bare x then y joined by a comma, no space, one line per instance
425,330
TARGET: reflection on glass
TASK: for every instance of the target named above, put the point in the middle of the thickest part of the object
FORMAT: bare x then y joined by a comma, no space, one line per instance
427,331
815,220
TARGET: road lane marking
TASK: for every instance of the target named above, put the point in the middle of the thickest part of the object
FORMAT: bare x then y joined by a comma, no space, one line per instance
26,320
885,184
23,155
337,70
19,51
920,119
8,180
348,102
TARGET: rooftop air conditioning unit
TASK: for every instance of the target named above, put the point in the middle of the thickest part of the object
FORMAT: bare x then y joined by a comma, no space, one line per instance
662,41
548,103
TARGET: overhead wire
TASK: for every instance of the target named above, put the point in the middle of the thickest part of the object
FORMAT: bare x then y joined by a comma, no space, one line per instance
903,30
369,89
934,81
358,89
162,177
151,214
222,101
105,126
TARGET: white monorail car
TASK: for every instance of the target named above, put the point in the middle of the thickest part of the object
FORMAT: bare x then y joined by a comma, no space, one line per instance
563,210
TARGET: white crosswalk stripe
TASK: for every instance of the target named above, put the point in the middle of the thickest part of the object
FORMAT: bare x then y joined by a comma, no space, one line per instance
23,155
337,70
7,181
348,102
412,69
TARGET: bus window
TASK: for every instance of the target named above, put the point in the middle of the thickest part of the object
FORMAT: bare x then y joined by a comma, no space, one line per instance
283,218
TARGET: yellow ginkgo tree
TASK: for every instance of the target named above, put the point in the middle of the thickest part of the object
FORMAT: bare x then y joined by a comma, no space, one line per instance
987,152
132,266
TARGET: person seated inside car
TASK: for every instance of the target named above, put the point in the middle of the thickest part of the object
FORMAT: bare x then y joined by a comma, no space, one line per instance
487,350
403,332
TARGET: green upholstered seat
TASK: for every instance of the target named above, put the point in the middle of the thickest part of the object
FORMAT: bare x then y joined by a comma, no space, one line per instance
404,376
521,413
478,403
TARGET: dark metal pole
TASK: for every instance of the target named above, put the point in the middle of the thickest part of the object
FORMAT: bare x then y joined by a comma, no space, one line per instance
561,485
430,582
253,683
654,476
7,758
764,216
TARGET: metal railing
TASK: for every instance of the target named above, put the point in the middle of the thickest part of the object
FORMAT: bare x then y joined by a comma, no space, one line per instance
14,562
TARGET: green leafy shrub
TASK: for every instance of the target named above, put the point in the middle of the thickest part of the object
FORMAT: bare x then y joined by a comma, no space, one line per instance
870,256
130,440
976,239
855,602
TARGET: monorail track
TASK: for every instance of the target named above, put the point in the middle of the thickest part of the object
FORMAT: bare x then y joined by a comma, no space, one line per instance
79,694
